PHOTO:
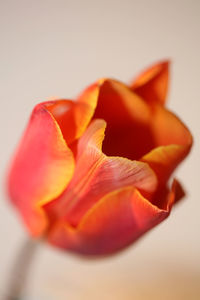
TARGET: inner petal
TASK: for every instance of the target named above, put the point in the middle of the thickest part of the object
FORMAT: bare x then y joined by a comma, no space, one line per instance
134,127
128,118
131,140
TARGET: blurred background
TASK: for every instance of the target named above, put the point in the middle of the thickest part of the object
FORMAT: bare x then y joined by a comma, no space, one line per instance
56,48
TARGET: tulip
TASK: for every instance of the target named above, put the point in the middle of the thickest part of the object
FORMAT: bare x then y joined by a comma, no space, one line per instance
93,175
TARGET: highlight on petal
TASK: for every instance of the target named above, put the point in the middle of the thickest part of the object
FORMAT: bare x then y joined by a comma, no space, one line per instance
116,221
152,84
96,175
41,170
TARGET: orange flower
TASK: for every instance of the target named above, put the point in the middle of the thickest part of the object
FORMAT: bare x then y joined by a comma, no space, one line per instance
95,194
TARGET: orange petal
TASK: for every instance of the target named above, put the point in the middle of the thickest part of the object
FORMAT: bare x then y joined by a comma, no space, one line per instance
163,160
168,129
96,175
165,197
172,143
115,222
128,118
152,84
89,97
41,169
133,127
72,116
117,103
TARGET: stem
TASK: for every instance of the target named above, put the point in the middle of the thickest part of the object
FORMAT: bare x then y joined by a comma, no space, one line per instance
20,270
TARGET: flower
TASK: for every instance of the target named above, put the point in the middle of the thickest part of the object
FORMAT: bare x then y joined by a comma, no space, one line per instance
92,175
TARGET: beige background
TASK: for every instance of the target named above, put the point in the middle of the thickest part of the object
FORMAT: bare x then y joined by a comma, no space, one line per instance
56,48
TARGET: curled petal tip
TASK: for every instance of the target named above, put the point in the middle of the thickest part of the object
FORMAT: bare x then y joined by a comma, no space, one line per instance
152,84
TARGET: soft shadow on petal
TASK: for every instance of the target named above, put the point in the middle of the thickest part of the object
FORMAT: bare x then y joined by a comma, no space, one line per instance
152,84
41,169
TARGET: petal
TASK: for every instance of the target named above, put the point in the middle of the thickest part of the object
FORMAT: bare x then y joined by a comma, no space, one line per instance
90,96
133,127
173,142
41,170
152,84
72,116
165,197
128,118
168,129
163,160
96,175
117,103
115,222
